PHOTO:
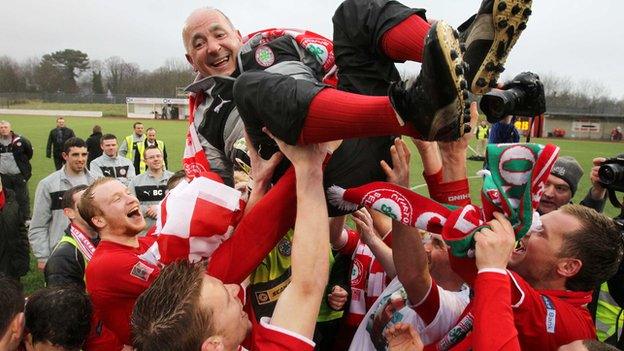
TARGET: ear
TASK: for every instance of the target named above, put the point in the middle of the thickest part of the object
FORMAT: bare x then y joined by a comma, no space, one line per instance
65,156
239,36
16,328
189,59
569,267
99,222
69,213
213,343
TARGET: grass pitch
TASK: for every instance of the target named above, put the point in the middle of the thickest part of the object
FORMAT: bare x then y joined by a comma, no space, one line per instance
36,129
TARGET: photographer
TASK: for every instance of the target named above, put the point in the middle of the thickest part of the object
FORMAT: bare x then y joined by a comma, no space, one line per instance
609,297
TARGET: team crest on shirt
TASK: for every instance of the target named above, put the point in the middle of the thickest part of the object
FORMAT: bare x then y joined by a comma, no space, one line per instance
141,271
284,247
356,273
265,56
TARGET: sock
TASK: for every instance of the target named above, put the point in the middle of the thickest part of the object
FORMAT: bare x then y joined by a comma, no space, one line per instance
335,115
406,40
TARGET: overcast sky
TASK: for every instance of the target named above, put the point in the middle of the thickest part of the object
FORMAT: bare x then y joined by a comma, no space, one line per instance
580,39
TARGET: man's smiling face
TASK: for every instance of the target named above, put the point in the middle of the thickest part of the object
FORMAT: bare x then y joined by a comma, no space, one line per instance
211,43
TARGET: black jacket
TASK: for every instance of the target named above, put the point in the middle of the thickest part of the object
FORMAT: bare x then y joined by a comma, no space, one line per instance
14,255
56,139
66,265
93,147
22,153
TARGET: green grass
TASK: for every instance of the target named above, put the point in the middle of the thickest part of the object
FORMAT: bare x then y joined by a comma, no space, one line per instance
36,129
172,132
108,110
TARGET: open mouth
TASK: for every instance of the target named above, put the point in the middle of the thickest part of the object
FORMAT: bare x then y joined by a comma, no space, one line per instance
520,248
134,213
221,62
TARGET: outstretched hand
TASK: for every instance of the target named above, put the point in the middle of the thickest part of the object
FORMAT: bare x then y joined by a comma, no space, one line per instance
399,172
301,155
261,170
453,153
403,337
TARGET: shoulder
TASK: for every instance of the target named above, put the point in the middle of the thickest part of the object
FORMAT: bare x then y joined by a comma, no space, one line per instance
268,337
52,177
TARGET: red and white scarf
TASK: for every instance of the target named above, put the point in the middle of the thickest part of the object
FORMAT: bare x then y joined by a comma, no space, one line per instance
85,246
513,187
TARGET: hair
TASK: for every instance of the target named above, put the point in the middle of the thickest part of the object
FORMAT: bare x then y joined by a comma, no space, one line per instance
5,122
68,196
60,118
60,315
597,244
150,129
136,124
152,147
73,142
86,206
97,129
107,137
595,345
172,319
175,179
11,301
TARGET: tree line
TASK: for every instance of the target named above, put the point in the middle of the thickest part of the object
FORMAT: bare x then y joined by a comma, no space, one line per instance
71,71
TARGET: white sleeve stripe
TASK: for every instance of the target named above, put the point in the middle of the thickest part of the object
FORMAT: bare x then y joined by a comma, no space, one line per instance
266,323
425,297
521,300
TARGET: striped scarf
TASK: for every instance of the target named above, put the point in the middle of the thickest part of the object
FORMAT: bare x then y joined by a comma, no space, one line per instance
513,186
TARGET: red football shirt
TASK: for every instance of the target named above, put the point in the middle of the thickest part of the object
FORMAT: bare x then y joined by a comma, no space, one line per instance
267,337
116,276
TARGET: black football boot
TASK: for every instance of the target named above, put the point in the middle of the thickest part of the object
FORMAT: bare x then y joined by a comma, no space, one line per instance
436,104
488,38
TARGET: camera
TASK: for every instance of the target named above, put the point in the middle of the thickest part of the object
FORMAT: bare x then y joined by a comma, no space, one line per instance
522,96
611,173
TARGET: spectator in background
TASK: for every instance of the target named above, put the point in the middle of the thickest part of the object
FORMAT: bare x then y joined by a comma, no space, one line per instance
15,169
14,258
69,259
150,187
504,131
132,147
93,144
151,141
58,136
11,314
482,133
57,319
561,184
49,222
616,134
110,164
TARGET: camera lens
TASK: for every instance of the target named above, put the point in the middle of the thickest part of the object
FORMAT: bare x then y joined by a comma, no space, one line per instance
611,174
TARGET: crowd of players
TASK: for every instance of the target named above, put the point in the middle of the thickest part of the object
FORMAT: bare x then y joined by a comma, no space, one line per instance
286,276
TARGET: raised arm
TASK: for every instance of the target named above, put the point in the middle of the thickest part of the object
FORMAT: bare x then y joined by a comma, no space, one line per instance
298,306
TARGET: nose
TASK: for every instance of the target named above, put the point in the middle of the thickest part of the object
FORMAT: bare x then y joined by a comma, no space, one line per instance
213,47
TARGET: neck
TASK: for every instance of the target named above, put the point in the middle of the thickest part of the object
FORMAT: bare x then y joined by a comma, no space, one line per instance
156,173
132,241
70,172
449,281
551,284
84,230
